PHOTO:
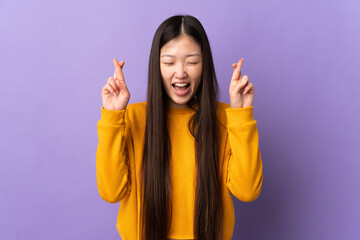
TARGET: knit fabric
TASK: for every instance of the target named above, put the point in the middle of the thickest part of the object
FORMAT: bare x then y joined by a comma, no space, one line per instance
119,156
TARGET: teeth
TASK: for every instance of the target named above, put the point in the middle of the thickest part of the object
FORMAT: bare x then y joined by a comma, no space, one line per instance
181,84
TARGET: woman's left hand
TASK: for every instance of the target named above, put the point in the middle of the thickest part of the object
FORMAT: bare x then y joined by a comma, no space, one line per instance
241,91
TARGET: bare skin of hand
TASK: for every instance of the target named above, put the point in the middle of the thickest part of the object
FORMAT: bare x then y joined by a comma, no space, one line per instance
241,91
115,94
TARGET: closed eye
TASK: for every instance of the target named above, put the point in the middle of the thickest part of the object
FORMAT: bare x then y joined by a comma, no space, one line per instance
193,63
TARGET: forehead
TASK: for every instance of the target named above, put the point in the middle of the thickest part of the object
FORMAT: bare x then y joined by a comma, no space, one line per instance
181,45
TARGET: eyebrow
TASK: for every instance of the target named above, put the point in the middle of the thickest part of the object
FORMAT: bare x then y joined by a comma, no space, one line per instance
189,55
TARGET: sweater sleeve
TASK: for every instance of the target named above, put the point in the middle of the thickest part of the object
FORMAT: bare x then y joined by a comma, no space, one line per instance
112,168
244,173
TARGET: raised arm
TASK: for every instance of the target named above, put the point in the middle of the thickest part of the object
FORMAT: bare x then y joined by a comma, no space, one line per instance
112,167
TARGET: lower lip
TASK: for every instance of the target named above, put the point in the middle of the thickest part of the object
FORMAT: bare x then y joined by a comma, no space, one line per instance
181,93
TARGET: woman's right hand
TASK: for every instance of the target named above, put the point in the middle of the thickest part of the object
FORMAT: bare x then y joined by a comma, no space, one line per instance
115,94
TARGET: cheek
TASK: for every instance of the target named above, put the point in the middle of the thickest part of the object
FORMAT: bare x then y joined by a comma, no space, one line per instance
166,75
197,76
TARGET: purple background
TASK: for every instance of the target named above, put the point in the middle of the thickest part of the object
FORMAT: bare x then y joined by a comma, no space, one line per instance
301,56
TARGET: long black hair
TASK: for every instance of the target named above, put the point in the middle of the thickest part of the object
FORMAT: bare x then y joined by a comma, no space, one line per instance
155,169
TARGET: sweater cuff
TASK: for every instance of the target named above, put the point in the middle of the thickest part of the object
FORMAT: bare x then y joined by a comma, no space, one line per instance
112,117
239,116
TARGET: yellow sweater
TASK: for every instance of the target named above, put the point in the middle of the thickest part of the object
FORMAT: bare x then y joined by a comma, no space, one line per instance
119,155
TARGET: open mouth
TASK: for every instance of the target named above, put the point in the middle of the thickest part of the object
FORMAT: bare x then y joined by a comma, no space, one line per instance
181,88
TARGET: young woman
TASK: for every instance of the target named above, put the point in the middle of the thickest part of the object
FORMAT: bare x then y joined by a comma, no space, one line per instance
174,160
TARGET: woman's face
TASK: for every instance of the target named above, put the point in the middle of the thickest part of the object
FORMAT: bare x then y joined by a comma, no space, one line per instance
181,68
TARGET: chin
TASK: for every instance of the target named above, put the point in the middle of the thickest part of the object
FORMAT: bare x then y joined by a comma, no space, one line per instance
181,101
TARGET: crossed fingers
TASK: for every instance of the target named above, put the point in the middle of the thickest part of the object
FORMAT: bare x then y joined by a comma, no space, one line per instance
237,70
118,74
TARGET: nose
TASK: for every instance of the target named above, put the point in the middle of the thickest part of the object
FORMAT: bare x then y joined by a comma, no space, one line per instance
180,71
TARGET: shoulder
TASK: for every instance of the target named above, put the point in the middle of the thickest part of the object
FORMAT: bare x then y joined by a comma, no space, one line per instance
140,106
136,111
221,106
221,112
